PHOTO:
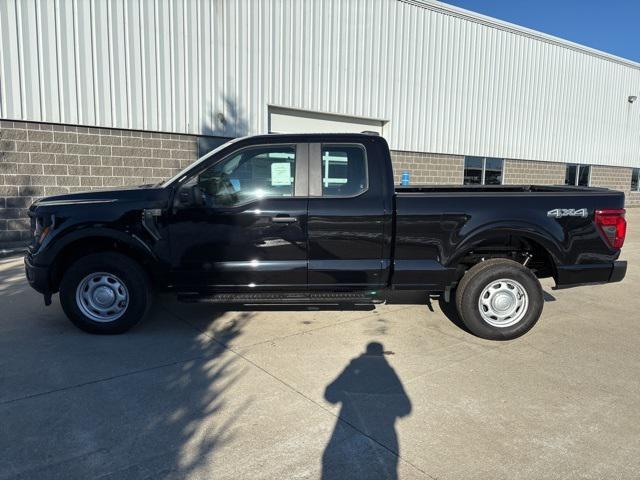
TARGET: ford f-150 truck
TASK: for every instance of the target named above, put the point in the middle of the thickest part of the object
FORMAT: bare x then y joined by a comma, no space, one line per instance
316,219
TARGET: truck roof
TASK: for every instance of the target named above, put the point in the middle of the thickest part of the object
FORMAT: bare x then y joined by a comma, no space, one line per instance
313,136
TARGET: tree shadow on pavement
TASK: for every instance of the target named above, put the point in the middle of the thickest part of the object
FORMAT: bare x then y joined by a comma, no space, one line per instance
152,403
364,443
183,426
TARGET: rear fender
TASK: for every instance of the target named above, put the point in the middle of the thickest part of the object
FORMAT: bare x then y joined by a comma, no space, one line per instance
528,231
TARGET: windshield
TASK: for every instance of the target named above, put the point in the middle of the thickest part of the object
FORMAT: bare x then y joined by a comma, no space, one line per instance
195,164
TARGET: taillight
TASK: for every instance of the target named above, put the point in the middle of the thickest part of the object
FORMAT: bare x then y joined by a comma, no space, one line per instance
613,226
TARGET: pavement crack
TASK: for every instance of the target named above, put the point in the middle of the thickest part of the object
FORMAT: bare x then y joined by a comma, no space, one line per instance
112,377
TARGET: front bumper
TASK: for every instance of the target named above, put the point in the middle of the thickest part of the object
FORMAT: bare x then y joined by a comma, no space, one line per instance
575,275
38,277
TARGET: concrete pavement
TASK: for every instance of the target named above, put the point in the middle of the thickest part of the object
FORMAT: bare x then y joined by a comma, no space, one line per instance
395,392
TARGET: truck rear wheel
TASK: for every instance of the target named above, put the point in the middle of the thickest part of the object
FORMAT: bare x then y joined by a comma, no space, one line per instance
105,293
499,299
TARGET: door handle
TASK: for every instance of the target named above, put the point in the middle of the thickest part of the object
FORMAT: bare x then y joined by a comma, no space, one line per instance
284,219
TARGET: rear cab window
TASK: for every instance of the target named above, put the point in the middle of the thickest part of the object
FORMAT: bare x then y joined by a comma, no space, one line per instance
344,170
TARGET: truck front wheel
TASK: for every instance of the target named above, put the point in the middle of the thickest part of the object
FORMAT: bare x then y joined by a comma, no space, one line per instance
499,299
105,293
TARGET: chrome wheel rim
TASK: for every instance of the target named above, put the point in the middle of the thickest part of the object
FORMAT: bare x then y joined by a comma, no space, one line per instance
102,297
503,303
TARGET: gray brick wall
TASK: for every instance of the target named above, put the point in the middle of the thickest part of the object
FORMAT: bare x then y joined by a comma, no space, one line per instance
523,172
43,159
428,168
617,178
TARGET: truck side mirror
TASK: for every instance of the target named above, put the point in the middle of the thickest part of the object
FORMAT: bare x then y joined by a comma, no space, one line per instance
190,195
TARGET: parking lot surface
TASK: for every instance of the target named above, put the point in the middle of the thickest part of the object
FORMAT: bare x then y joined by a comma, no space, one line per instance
395,392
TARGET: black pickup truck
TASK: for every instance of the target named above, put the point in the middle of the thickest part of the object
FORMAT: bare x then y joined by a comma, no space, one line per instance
316,219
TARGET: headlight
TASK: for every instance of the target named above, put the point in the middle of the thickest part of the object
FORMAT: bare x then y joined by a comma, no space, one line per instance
43,225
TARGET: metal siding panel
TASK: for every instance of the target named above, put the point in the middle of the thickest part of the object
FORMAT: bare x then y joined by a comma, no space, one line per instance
446,82
230,108
148,64
205,27
220,51
178,88
102,62
84,63
164,69
10,56
192,66
67,57
30,71
133,61
118,65
47,63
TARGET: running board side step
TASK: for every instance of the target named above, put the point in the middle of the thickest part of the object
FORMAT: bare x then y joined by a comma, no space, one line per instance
284,298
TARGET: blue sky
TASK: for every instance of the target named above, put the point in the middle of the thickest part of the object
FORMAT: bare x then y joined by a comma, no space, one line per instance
612,26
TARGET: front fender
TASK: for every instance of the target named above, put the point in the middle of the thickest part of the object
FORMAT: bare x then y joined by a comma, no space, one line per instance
49,251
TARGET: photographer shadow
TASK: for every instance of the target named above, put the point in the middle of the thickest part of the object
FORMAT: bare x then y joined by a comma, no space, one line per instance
364,443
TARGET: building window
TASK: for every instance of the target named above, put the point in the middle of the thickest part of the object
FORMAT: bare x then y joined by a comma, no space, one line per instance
635,180
483,171
577,175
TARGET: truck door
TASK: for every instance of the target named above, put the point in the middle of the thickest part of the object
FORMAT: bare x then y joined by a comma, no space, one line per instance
347,218
248,231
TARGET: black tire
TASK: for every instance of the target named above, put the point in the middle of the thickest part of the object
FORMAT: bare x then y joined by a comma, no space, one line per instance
481,276
128,271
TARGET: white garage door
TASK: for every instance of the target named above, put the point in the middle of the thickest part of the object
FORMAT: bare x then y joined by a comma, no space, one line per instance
284,120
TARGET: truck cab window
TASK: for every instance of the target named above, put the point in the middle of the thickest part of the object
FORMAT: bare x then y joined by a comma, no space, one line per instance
344,170
251,174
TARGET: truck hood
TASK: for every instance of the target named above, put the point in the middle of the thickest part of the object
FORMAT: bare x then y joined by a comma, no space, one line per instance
119,199
124,194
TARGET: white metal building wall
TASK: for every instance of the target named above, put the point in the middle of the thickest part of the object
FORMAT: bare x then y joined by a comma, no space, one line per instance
446,80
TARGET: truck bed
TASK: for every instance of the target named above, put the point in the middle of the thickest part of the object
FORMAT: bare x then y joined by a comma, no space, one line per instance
435,225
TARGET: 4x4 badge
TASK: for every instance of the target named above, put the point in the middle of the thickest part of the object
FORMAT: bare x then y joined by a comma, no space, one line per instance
568,212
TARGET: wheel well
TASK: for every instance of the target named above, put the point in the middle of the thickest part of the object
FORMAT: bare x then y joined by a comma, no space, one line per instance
90,245
514,247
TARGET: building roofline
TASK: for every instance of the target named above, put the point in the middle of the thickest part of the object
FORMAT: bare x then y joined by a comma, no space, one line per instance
475,17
